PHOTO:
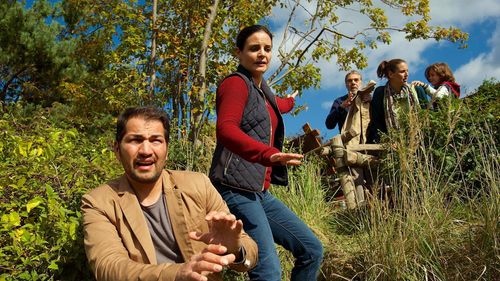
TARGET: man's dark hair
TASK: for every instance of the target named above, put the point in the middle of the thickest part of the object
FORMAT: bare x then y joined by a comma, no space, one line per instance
148,113
247,32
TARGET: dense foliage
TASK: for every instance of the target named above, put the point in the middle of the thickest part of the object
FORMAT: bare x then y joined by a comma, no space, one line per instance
34,60
47,163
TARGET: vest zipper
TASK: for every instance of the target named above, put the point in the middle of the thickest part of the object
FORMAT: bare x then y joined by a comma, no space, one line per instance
270,131
228,162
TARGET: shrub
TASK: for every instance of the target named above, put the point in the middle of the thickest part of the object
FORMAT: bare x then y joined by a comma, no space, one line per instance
45,167
441,218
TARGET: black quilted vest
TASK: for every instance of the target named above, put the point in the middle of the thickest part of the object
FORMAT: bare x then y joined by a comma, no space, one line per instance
228,168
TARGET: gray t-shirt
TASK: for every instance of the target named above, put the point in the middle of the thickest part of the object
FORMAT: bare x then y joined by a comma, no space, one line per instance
160,228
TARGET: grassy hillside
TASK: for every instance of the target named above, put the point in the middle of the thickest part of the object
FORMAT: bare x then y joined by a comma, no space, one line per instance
440,222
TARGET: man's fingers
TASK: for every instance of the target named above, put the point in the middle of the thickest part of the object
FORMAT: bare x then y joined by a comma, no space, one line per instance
221,221
196,235
195,276
216,249
204,267
211,259
238,226
208,261
215,258
220,216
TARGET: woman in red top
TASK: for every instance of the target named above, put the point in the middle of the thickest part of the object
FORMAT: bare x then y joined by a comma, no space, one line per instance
248,158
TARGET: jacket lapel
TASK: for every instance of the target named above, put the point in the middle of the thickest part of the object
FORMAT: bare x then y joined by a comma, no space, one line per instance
175,209
133,213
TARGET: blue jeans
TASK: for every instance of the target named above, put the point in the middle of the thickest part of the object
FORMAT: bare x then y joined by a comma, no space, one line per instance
264,216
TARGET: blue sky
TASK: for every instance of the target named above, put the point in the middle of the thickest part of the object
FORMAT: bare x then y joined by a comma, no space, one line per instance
481,60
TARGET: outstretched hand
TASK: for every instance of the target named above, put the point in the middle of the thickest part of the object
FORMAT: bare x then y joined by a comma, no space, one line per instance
294,94
224,230
223,241
292,159
418,83
210,260
348,101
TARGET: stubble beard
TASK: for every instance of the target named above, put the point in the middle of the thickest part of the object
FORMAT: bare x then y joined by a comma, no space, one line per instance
148,180
144,178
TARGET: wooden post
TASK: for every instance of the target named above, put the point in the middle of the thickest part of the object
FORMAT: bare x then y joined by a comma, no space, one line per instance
342,160
344,175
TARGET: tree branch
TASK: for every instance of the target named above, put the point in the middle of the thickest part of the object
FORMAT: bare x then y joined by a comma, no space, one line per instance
153,53
274,80
202,67
285,60
3,95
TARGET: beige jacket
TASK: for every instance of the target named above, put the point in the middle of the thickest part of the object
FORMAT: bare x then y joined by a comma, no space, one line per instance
117,239
357,121
358,118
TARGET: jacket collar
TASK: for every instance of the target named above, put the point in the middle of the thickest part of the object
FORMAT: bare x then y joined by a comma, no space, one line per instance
177,213
129,203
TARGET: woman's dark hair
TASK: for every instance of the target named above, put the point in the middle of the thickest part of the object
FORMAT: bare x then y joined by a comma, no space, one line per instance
247,31
147,113
442,70
385,66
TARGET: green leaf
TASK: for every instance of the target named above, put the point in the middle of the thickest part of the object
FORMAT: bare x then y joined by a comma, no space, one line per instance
33,203
22,150
72,229
25,276
13,219
21,182
53,265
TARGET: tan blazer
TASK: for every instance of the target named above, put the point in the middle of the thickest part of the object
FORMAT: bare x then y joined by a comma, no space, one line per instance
357,121
117,240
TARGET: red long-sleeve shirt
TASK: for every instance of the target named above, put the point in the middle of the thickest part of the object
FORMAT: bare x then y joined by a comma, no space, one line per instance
232,96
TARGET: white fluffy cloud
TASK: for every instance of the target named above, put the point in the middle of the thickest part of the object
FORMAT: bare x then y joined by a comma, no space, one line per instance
484,66
463,12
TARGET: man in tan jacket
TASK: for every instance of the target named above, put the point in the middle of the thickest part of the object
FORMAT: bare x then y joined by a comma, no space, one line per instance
156,224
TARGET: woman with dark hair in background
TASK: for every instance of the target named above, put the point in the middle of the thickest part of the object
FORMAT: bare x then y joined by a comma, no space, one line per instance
248,158
395,98
442,80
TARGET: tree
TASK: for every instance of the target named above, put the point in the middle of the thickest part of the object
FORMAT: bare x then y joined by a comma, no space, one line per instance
33,60
111,43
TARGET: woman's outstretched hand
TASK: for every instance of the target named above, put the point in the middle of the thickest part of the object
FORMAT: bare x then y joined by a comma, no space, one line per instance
293,95
291,159
418,83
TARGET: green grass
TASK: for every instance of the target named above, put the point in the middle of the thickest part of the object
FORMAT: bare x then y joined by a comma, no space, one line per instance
429,228
440,222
